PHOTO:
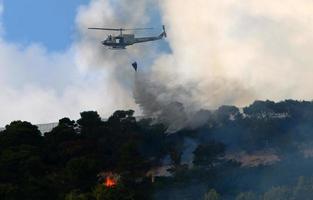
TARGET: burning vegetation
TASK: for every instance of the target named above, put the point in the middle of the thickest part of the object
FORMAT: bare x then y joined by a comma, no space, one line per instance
109,179
110,182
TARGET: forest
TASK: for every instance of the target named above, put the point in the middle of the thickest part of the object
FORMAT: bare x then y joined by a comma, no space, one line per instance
260,152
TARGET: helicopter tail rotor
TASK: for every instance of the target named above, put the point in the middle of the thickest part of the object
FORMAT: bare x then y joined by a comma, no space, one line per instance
164,32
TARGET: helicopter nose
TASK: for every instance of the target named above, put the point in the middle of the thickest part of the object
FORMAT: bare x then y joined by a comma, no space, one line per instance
104,42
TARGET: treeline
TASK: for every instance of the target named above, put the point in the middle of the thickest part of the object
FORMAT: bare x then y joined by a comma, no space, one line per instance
70,162
275,139
301,190
66,162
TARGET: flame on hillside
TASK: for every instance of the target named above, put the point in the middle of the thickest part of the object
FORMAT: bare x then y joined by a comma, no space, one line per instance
110,181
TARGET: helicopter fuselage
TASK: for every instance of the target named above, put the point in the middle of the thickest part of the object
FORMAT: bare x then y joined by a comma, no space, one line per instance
123,40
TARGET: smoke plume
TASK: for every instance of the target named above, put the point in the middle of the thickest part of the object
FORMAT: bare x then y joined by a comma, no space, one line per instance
221,52
230,52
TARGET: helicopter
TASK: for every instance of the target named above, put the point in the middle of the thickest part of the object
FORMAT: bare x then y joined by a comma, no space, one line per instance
121,41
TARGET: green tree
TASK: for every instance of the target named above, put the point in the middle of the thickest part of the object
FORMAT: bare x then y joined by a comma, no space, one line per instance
212,195
19,133
89,119
277,193
226,113
81,173
119,192
76,195
131,161
9,191
303,190
208,154
247,196
175,155
56,139
89,123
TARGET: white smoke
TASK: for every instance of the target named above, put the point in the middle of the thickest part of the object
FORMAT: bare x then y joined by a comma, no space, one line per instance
222,52
230,52
41,86
239,51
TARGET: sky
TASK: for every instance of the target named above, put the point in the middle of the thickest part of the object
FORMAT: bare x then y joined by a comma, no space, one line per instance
218,52
50,22
52,66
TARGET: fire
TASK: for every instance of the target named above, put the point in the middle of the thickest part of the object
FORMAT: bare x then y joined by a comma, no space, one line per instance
110,182
108,179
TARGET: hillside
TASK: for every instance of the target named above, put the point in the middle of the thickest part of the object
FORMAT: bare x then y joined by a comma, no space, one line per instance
263,151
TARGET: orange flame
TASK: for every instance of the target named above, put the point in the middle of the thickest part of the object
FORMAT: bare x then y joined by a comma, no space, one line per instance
109,182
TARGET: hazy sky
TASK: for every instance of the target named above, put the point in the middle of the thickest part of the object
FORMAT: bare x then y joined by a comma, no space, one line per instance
217,52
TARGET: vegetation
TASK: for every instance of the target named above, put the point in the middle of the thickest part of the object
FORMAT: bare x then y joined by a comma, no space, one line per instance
260,153
64,163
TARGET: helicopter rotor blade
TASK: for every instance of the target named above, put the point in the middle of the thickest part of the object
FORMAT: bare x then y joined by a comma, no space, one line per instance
128,29
118,29
105,29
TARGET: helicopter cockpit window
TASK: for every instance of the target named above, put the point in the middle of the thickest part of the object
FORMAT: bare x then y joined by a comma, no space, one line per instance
118,40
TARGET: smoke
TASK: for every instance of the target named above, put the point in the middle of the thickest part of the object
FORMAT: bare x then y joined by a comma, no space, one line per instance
230,52
42,86
239,51
221,52
104,13
194,73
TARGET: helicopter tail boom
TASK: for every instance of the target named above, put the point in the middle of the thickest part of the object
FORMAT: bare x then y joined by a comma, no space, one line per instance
147,39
